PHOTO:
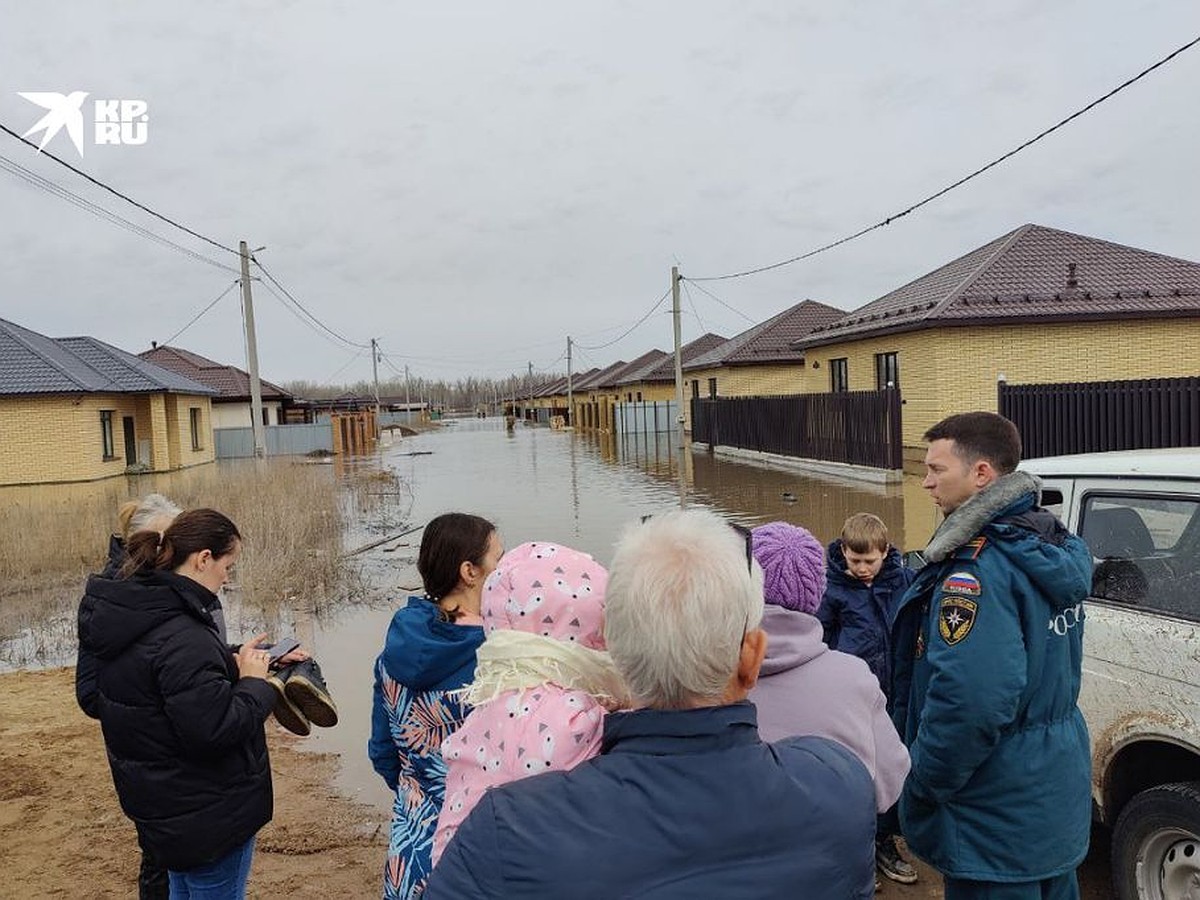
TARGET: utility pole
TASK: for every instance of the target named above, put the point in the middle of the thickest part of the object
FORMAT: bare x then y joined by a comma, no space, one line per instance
407,400
679,418
529,390
570,394
375,379
256,407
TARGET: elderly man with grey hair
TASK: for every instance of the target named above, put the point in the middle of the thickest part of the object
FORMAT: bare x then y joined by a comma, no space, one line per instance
685,800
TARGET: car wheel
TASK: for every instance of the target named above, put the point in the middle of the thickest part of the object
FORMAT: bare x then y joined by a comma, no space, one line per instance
1156,845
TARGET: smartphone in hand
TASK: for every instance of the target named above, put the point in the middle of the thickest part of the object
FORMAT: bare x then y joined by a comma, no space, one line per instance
282,647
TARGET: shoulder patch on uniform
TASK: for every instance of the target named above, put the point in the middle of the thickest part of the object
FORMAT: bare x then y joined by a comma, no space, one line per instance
964,583
971,549
956,618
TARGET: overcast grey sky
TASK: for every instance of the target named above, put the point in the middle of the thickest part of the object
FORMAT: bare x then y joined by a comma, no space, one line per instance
470,182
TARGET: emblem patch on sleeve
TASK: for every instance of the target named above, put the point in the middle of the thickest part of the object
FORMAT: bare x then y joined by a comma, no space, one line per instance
956,617
963,583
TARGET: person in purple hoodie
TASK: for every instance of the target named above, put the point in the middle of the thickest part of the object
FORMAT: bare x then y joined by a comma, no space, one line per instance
806,688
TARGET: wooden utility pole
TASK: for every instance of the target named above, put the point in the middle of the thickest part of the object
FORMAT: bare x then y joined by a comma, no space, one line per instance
375,379
256,407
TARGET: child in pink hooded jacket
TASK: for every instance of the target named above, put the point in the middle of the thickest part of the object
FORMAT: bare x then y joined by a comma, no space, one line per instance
543,678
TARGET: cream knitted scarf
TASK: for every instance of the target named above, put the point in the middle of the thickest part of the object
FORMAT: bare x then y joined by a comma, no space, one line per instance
515,660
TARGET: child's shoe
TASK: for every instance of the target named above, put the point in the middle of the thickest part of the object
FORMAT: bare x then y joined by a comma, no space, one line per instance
305,688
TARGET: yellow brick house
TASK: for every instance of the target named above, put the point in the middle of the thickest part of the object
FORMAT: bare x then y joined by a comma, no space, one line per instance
78,409
655,382
1034,306
761,360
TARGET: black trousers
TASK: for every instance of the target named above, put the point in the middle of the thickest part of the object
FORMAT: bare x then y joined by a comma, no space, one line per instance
152,880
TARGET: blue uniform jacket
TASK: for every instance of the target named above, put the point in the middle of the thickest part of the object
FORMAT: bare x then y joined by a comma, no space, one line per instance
680,804
988,652
858,617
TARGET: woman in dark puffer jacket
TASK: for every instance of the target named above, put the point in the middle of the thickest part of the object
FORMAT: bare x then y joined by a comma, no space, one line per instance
182,718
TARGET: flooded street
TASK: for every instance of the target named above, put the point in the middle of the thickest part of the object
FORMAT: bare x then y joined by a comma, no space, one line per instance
534,483
537,484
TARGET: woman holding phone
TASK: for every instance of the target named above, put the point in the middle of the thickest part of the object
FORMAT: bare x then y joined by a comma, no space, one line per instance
182,717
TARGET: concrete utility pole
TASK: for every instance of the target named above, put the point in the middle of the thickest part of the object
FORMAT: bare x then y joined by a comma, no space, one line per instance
570,394
375,379
679,419
256,407
529,391
407,400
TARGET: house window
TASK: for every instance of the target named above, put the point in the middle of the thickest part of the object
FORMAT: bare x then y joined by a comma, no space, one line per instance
887,370
712,387
639,396
194,421
629,397
695,389
106,433
266,414
839,374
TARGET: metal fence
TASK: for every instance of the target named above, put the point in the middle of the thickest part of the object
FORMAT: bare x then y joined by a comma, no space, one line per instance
856,427
1088,417
281,440
649,417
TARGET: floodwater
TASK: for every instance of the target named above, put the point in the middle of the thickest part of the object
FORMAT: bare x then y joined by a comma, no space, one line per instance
576,489
534,483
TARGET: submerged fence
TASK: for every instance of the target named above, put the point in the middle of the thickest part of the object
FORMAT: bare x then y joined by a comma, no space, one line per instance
650,417
1088,417
281,440
856,427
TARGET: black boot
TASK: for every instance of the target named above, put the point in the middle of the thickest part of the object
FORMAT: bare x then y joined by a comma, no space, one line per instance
286,712
306,689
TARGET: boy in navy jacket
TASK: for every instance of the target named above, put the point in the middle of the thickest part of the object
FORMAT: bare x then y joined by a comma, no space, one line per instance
866,579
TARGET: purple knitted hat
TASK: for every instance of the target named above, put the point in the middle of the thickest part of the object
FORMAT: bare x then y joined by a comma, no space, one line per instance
793,564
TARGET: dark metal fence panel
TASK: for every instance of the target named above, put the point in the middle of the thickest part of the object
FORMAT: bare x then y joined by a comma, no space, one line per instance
857,427
1089,417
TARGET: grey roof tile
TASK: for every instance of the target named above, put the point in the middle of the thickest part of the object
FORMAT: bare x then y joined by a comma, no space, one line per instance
31,363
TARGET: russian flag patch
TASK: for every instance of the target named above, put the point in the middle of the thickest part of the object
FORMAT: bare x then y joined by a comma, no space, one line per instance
962,583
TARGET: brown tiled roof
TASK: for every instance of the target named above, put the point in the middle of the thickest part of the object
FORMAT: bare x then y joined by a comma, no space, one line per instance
643,363
1023,276
665,370
769,341
592,380
231,382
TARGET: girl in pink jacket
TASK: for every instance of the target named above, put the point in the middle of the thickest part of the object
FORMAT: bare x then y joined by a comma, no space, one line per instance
543,679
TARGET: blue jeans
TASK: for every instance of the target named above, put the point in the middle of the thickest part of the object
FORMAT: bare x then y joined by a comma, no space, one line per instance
224,879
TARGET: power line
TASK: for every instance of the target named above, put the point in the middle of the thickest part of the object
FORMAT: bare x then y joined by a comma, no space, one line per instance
56,190
702,289
196,318
355,358
631,328
692,303
300,306
948,188
117,193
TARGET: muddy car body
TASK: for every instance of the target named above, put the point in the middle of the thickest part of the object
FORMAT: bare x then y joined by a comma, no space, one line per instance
1139,512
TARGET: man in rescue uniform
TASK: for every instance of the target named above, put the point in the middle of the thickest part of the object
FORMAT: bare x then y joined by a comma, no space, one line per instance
988,649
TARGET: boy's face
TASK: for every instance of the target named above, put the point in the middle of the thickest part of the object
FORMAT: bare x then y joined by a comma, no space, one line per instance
864,566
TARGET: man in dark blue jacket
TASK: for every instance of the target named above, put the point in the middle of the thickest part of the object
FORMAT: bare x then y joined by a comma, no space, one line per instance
988,652
685,800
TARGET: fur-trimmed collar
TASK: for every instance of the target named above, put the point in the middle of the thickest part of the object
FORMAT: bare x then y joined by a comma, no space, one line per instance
969,519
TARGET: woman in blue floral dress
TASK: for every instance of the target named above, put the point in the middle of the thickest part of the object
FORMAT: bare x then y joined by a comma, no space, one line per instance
428,654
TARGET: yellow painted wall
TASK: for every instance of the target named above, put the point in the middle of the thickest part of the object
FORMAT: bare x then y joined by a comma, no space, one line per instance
54,438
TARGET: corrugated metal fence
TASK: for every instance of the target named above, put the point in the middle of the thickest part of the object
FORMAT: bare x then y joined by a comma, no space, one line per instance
856,427
1088,417
282,440
645,418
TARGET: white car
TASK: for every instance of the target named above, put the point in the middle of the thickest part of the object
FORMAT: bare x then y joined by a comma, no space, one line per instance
1139,512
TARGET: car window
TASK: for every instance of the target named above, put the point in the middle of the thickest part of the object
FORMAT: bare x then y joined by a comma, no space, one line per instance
1146,551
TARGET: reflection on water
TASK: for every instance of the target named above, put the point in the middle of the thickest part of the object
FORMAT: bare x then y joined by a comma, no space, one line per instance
537,484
